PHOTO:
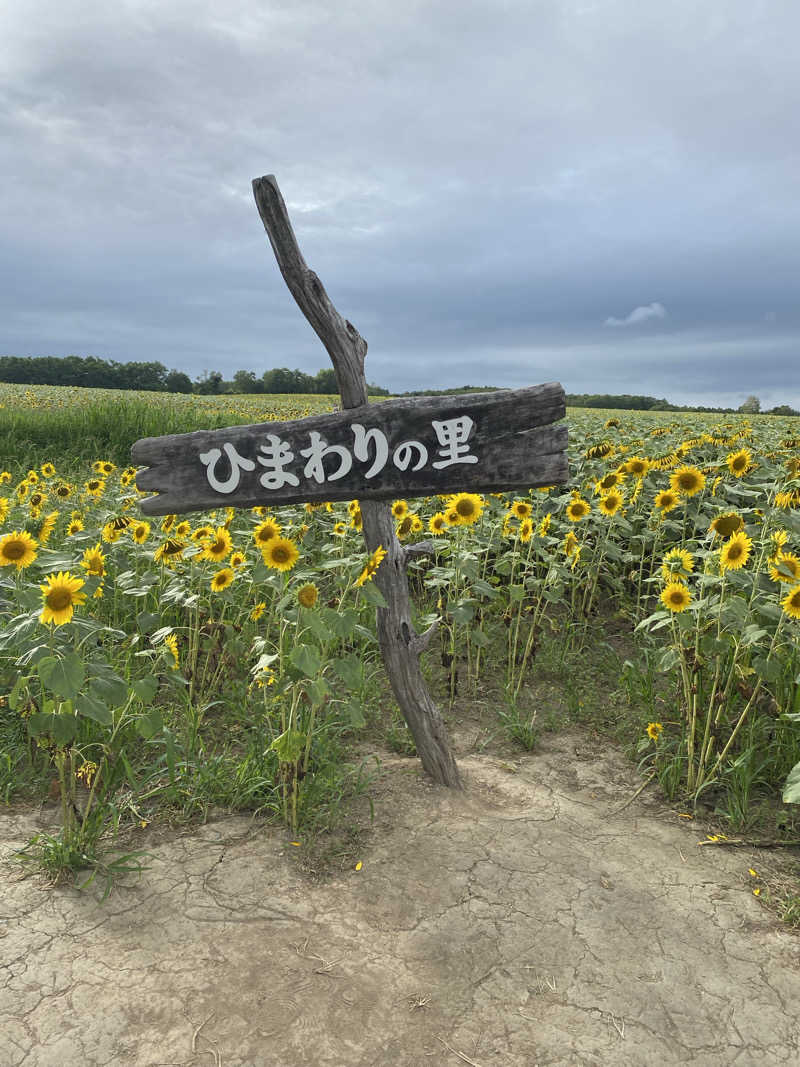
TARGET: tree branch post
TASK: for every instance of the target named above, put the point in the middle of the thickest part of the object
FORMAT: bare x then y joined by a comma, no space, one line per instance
399,642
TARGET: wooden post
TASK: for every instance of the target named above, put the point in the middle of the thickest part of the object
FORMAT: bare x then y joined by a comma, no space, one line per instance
399,642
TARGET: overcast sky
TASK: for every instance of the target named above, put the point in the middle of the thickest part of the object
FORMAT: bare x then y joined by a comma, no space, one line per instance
503,192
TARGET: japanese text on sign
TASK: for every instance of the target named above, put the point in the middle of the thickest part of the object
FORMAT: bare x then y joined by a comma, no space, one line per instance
369,446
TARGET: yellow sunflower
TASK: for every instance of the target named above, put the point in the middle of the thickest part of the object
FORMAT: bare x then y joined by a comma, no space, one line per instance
525,530
677,565
468,507
218,546
399,509
785,567
654,730
611,502
75,526
258,611
339,529
169,551
265,531
373,563
139,531
739,462
735,552
675,596
5,505
95,487
63,490
687,481
522,509
307,595
94,561
791,602
18,548
47,527
637,466
280,554
221,580
48,470
577,509
171,641
437,524
59,597
237,559
544,525
726,525
570,545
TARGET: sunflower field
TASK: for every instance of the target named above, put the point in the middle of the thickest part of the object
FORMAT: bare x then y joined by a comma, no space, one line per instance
229,659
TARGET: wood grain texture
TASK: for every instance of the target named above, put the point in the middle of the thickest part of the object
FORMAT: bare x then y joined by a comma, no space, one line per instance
511,438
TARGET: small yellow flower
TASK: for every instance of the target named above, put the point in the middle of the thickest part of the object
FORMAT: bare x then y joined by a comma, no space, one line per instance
94,561
171,641
373,563
654,730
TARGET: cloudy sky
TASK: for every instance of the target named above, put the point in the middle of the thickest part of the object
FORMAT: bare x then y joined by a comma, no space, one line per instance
501,192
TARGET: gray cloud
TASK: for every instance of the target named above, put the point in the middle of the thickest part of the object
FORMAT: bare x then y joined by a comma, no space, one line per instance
478,188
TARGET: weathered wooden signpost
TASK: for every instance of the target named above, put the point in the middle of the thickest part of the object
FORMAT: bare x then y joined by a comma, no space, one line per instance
371,452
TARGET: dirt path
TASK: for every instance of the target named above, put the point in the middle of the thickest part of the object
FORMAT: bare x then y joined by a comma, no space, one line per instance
521,923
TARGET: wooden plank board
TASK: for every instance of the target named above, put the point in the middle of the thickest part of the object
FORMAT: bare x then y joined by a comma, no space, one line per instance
478,442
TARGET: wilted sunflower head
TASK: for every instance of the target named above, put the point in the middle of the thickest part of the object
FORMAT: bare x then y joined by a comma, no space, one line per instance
727,524
307,595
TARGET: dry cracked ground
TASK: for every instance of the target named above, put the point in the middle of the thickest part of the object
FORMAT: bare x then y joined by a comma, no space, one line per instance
526,921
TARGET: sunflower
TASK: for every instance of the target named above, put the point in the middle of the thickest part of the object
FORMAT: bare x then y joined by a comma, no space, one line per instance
221,580
637,466
32,477
677,565
791,602
237,559
611,502
169,551
356,522
735,552
339,529
93,561
437,524
522,509
140,531
37,499
5,477
307,595
372,565
544,525
110,533
577,509
95,486
399,509
63,490
75,526
785,567
353,507
171,641
468,506
666,500
202,533
18,548
47,527
654,730
726,525
183,529
675,596
611,480
258,611
525,530
168,522
5,505
265,531
280,554
103,466
571,545
218,546
452,517
739,462
59,596
686,481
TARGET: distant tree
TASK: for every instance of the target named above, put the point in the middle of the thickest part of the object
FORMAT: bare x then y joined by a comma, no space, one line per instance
178,382
325,382
245,381
751,406
208,384
783,409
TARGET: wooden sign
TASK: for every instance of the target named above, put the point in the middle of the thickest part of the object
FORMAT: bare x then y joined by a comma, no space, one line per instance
478,442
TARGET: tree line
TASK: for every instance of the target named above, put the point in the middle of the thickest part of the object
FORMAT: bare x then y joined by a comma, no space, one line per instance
93,373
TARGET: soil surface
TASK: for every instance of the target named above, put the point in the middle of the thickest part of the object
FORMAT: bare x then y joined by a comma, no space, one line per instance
527,920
